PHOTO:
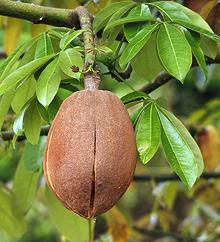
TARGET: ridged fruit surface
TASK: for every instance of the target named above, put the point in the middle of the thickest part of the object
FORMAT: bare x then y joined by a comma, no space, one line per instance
90,156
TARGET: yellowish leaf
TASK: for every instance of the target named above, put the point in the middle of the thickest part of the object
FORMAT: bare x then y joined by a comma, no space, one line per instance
209,143
117,225
207,8
12,34
37,29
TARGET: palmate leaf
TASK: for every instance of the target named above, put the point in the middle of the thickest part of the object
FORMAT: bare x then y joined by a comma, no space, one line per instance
179,14
48,83
194,41
136,44
138,14
180,148
11,81
148,132
102,18
174,51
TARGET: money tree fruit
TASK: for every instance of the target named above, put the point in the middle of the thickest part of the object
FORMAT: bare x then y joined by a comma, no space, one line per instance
90,155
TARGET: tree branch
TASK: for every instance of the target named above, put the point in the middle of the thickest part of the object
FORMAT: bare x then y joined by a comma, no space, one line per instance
39,14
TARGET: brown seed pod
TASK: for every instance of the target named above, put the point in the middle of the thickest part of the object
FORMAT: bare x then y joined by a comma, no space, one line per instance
90,156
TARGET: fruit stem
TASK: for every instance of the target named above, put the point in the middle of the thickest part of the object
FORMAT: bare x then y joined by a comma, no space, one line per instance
91,73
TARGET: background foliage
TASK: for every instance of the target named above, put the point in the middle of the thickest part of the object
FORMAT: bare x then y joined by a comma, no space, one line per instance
36,78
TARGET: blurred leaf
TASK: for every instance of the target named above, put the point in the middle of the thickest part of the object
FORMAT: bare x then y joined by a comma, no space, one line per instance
33,155
170,193
117,225
180,148
209,47
23,94
148,133
69,37
5,103
136,44
104,15
194,41
68,59
174,51
104,54
32,123
72,226
207,8
13,226
24,189
44,46
179,14
48,83
21,73
146,57
209,143
37,29
12,34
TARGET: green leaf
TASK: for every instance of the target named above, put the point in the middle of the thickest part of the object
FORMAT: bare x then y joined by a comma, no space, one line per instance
174,51
102,18
11,81
179,14
13,226
5,105
44,46
180,148
32,123
18,123
134,97
209,47
8,64
136,44
69,58
194,41
108,32
33,155
148,133
23,94
48,83
29,54
73,227
24,189
69,37
146,57
132,29
140,13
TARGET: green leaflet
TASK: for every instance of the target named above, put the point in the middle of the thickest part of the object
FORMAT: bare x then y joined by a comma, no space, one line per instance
69,58
9,222
44,46
209,47
24,189
134,97
146,57
72,226
180,148
179,14
136,44
23,94
194,41
69,37
48,83
33,155
29,55
32,123
7,66
5,105
174,51
103,16
140,13
131,29
11,81
148,133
